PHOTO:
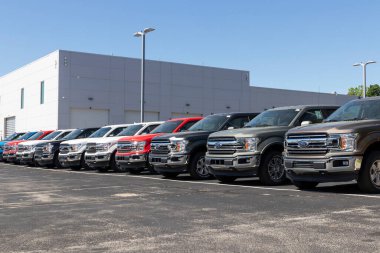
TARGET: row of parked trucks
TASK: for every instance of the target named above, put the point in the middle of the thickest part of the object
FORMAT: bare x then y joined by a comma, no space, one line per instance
308,144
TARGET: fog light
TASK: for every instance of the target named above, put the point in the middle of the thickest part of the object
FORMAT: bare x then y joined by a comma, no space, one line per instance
358,164
345,163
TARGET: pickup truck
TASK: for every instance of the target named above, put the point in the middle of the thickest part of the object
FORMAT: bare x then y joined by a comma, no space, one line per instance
12,146
132,151
12,137
46,154
100,154
345,147
172,154
26,150
256,149
72,152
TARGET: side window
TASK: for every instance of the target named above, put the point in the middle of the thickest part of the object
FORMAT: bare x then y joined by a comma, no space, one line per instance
63,135
116,131
237,122
328,112
187,125
149,129
87,133
312,115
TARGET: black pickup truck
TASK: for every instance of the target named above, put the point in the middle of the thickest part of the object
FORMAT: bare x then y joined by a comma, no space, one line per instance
184,152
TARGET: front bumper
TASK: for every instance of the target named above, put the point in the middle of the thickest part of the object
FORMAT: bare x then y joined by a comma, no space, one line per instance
98,160
333,169
236,166
46,159
177,163
132,161
70,159
27,157
11,157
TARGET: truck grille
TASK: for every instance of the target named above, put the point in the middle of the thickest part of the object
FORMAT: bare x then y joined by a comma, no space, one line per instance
160,147
91,148
223,146
310,144
125,147
38,150
64,148
21,148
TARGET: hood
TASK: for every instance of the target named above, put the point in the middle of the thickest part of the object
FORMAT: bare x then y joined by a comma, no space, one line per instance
105,140
81,141
252,132
337,127
11,143
31,143
3,142
144,137
186,135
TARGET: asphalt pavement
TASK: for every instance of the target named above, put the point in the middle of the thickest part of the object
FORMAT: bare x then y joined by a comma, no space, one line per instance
59,210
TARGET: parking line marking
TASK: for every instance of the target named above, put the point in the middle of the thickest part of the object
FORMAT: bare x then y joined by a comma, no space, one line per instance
196,182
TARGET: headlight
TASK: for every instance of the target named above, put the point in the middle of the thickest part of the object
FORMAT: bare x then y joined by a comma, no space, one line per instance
138,145
342,142
249,144
104,146
178,145
77,147
48,148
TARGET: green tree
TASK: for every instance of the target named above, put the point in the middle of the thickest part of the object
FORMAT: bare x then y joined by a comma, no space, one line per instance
356,91
373,90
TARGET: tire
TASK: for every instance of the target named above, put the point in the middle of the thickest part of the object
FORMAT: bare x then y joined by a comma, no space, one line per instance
302,185
76,168
198,169
369,176
102,169
135,171
170,174
272,170
56,162
114,166
83,163
225,179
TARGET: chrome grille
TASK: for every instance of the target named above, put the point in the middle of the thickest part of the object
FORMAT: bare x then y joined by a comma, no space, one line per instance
64,148
125,147
21,148
91,148
307,144
160,147
223,146
39,150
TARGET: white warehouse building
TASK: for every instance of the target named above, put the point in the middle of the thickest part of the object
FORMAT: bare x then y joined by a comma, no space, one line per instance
66,89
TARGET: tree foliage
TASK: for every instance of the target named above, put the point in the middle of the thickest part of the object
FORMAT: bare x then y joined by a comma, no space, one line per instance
372,91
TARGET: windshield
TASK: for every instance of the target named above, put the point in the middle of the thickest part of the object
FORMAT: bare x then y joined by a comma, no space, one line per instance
357,110
13,136
100,132
36,136
273,118
74,134
52,135
210,123
167,127
130,130
26,136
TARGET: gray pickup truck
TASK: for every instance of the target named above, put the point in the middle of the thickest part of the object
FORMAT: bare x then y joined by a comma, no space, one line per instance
345,148
256,149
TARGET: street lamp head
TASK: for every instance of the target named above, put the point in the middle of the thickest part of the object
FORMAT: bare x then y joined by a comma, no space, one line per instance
357,64
148,30
138,34
369,62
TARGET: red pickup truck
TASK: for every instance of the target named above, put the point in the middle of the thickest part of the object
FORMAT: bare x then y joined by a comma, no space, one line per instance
10,149
132,151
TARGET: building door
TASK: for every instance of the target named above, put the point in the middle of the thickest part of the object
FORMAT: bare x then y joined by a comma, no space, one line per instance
80,118
9,126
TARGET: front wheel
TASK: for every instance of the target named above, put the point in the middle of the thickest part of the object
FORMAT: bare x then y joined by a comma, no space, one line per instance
114,165
198,169
369,177
169,174
302,185
272,171
135,171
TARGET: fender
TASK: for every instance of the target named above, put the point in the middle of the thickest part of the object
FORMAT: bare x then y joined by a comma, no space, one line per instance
266,144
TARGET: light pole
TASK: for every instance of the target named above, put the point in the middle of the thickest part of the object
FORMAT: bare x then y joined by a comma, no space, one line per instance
364,65
142,34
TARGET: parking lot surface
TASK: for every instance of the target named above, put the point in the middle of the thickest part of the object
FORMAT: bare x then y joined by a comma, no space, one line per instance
58,210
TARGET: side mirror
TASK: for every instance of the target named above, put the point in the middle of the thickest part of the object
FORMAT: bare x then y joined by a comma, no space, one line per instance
305,123
230,128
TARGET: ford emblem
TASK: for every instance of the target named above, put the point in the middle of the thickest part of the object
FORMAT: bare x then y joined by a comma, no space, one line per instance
303,144
218,145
